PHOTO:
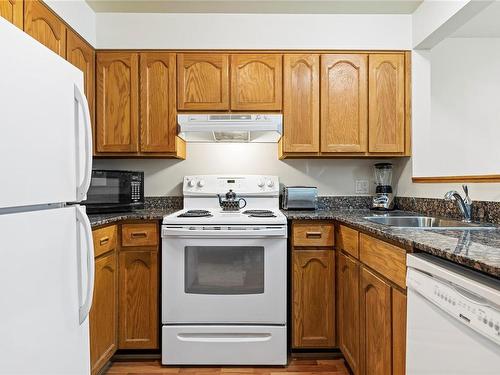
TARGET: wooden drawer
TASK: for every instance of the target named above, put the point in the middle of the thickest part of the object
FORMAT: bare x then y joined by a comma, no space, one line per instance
348,240
313,234
104,240
140,234
386,259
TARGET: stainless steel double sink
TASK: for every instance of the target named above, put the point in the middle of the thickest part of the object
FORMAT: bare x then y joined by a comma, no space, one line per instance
427,222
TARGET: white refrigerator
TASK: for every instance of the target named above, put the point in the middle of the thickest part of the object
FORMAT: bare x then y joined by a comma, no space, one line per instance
46,251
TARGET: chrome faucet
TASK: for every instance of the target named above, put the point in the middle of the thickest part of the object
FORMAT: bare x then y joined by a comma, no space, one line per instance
465,205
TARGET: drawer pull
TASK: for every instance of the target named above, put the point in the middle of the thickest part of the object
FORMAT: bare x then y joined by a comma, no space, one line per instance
313,234
103,240
138,234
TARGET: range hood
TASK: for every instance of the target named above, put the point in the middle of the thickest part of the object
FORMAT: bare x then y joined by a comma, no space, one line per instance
235,128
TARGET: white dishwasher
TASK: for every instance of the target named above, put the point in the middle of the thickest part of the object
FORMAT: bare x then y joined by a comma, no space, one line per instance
453,322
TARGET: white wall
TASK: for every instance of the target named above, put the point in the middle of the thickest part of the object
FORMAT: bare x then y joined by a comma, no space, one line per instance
253,31
79,15
164,177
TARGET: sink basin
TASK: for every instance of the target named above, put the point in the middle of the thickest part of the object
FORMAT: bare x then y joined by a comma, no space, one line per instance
426,222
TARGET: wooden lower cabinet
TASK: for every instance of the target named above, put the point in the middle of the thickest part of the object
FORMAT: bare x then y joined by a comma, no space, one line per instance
104,313
348,309
138,305
313,298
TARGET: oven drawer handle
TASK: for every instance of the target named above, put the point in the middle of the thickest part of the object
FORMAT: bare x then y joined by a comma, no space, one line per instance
104,240
186,232
224,337
313,234
138,234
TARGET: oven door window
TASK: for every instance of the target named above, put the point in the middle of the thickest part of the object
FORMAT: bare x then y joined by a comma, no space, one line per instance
224,270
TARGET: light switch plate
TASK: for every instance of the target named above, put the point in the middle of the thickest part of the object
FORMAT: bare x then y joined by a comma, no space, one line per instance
362,186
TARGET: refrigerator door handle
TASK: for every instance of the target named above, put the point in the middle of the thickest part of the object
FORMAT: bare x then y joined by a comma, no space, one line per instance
82,218
82,189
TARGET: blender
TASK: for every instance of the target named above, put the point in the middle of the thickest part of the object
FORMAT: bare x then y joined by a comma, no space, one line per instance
383,199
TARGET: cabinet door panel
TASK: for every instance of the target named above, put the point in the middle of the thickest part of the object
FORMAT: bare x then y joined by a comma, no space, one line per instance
203,81
398,332
12,11
82,55
375,317
301,103
313,299
138,323
256,82
117,103
45,26
344,103
387,103
103,315
348,317
158,115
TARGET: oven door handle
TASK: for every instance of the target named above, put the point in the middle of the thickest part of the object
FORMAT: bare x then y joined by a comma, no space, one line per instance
257,232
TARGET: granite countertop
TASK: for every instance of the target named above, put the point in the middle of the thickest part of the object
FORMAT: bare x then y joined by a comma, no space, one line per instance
477,249
144,214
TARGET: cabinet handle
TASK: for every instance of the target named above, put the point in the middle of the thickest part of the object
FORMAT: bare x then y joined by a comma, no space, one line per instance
103,241
139,234
313,234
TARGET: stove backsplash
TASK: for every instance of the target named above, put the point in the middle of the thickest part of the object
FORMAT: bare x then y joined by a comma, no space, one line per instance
161,203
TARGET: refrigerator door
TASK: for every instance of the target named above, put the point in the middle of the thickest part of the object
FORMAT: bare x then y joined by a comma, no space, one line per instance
45,143
45,282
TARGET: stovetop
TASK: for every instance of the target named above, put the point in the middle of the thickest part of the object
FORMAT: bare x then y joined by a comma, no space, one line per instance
257,216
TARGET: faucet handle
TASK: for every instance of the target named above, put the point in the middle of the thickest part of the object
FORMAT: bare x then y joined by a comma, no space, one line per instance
466,191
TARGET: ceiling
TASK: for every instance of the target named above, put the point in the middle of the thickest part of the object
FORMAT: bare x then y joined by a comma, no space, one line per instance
257,6
485,25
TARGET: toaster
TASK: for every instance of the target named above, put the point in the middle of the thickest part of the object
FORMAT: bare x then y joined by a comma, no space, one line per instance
300,198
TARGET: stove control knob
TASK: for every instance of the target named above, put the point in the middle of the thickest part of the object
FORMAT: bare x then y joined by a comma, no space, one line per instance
201,183
261,183
190,183
270,183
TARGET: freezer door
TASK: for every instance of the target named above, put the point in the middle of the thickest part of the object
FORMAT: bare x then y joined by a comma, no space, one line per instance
45,142
45,276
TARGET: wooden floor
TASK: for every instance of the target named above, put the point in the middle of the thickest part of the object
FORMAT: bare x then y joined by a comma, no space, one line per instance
296,366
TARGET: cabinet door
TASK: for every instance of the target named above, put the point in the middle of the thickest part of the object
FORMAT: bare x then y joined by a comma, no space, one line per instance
45,26
158,120
387,103
138,296
301,103
103,315
82,55
256,82
12,11
313,299
398,332
348,310
344,103
117,103
203,81
375,318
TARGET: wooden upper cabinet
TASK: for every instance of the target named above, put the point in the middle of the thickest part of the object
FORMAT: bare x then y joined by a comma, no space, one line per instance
45,26
348,310
82,55
116,102
344,103
104,313
387,103
158,122
376,327
12,11
301,103
256,82
138,306
203,81
313,298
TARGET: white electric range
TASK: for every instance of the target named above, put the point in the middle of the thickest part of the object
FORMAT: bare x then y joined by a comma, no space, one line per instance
224,275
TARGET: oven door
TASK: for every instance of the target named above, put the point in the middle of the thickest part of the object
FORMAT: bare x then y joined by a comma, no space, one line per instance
231,274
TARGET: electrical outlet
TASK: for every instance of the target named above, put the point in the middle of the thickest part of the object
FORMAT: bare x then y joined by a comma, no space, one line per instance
362,186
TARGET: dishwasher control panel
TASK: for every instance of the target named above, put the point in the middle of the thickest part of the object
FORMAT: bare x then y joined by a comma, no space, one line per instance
463,305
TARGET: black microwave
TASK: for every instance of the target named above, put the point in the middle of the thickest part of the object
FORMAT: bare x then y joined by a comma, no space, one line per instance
115,191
